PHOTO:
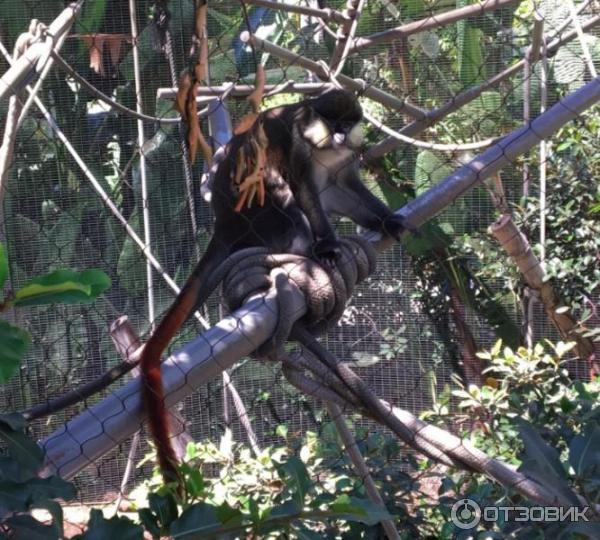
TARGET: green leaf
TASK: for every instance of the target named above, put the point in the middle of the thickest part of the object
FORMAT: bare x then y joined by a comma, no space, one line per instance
563,348
542,463
149,521
16,16
13,421
470,53
282,430
26,527
65,286
229,516
194,482
14,343
120,527
584,450
21,448
362,510
164,507
288,509
19,497
199,519
55,510
12,470
3,265
293,472
90,17
63,238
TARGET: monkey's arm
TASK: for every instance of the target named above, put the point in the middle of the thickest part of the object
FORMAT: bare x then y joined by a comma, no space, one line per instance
366,209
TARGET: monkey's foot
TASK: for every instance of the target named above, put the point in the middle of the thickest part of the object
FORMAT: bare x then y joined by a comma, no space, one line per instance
327,250
394,227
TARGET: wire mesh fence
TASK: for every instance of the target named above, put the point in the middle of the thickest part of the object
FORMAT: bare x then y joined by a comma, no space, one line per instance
453,86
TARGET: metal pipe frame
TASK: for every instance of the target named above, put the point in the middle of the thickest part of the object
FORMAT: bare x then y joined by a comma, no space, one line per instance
326,14
244,90
28,67
99,428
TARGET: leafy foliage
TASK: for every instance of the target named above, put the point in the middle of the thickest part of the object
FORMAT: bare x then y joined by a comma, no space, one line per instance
61,286
14,343
100,528
21,490
572,229
537,418
64,286
275,491
21,487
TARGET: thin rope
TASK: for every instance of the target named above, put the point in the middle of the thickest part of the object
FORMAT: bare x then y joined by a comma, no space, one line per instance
62,63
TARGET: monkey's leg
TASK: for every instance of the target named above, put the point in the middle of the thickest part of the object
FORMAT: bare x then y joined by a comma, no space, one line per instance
380,411
306,192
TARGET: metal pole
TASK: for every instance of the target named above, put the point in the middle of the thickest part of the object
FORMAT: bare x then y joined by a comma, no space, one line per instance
93,432
55,48
345,37
505,152
243,90
324,14
544,153
141,142
582,41
531,56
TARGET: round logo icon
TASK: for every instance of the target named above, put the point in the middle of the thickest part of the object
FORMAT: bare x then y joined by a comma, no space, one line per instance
465,514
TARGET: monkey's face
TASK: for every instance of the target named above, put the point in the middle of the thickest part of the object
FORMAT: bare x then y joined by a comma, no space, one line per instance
323,133
332,121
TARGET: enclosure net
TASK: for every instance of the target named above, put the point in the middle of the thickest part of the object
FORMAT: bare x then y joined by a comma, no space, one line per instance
407,328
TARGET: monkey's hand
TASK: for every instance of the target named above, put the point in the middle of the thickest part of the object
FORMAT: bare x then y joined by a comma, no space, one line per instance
394,226
327,250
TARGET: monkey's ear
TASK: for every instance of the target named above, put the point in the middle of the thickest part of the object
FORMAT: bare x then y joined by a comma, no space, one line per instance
317,133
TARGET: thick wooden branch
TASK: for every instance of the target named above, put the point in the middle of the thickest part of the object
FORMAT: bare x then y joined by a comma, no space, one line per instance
29,66
359,464
345,36
322,72
537,37
514,242
433,21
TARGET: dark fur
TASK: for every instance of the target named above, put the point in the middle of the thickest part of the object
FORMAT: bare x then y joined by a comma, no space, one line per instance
303,185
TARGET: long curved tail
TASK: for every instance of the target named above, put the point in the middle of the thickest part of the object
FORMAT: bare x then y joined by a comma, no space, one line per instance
194,293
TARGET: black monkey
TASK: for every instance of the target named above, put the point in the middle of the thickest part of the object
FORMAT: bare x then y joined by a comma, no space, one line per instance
310,171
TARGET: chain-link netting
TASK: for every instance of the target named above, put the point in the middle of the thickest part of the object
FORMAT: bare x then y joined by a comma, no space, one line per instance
436,91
